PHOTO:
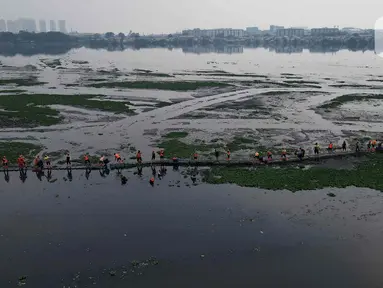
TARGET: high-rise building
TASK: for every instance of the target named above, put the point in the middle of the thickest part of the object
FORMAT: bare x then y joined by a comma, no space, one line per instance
62,26
43,26
52,25
28,25
3,26
252,30
13,26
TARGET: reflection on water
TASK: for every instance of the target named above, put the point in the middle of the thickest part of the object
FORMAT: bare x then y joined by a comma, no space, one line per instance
213,49
219,49
96,233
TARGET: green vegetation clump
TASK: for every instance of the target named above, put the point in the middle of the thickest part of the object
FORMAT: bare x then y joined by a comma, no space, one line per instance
162,85
13,91
175,147
179,134
12,150
338,101
30,110
301,82
153,74
30,81
366,174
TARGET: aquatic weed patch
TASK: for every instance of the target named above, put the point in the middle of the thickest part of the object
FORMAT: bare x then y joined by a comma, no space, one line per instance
29,81
13,91
30,110
161,85
175,147
177,134
366,174
339,101
12,150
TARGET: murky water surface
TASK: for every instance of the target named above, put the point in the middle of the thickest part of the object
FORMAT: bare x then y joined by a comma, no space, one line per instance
86,233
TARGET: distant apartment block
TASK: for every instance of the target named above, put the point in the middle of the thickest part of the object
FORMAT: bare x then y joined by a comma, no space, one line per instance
275,28
223,32
291,32
325,31
13,26
252,31
27,24
52,25
3,25
42,26
62,26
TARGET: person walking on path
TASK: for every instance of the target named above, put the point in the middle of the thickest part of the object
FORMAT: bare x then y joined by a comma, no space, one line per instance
344,146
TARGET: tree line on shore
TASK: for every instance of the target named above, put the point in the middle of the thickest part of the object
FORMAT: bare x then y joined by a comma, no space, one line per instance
26,41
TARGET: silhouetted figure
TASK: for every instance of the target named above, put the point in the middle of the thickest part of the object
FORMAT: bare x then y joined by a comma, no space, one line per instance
139,170
49,174
102,172
87,173
216,153
154,172
6,176
39,175
124,180
23,177
175,164
69,173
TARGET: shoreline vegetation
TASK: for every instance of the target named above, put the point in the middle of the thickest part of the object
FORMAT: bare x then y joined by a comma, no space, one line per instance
56,43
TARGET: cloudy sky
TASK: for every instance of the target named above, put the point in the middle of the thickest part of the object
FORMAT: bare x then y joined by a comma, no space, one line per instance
165,16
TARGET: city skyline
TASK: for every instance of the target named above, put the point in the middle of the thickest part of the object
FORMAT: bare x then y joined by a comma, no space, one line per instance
169,16
31,25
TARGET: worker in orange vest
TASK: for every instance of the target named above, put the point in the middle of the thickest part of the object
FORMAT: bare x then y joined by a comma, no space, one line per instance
330,147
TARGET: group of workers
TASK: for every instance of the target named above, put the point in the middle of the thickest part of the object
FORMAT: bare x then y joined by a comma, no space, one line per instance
103,161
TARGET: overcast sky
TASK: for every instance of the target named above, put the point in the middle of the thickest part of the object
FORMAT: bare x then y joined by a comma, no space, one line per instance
157,16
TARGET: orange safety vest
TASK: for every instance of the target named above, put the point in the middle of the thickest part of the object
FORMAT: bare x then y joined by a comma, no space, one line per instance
330,146
162,153
117,155
86,158
138,155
